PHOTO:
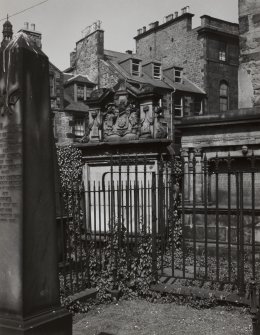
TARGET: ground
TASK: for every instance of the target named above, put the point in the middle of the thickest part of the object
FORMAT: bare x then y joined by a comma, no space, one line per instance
145,318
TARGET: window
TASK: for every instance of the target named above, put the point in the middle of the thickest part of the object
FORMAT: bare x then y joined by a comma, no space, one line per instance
52,85
79,127
222,54
157,71
135,67
178,106
80,92
177,75
223,96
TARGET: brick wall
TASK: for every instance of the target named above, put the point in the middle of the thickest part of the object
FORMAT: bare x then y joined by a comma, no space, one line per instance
249,70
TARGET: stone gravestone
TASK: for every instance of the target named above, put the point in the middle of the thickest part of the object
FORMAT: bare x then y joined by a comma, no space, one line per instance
29,285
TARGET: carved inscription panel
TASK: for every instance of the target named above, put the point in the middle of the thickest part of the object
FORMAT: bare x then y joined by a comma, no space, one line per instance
10,173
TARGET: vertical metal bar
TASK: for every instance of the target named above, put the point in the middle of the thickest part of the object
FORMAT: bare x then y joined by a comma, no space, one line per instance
149,206
131,212
160,211
95,217
172,210
80,225
183,189
127,215
119,202
229,218
241,240
69,241
136,204
104,208
75,226
145,200
99,225
154,234
194,215
253,214
217,218
87,242
206,214
238,228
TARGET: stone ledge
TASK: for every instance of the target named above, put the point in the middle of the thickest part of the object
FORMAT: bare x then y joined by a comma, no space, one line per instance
82,296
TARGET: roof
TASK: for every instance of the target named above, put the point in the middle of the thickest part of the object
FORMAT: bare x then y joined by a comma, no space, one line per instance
114,58
79,78
186,85
74,106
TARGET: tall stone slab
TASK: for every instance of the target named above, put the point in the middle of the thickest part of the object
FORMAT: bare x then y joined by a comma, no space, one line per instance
29,285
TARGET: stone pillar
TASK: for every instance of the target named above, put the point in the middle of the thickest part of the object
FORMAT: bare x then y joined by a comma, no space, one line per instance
199,175
185,157
29,283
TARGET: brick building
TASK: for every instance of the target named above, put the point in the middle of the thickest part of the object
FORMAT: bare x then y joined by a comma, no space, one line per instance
207,55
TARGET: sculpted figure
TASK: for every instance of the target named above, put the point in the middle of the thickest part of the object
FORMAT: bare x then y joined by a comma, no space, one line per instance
147,119
160,131
94,126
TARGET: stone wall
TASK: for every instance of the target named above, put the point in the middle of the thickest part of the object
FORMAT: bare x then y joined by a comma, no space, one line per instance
249,70
175,44
89,51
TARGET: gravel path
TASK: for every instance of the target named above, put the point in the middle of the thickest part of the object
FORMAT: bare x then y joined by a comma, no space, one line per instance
144,318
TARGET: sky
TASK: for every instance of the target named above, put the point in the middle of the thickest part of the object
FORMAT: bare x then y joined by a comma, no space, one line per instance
62,21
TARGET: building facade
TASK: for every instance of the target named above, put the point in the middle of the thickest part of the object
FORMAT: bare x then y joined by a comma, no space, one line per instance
207,55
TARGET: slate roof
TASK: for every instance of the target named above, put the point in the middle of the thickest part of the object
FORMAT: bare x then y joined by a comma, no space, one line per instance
115,59
79,78
74,106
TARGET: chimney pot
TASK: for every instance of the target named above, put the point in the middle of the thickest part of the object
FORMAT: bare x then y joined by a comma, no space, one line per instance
183,10
176,14
33,26
130,52
187,9
26,25
139,31
144,29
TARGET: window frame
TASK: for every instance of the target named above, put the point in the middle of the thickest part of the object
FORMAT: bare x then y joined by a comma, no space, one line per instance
79,130
180,107
81,92
223,96
136,62
158,67
222,52
178,78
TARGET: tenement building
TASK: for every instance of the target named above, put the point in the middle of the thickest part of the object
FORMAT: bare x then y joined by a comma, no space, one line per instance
206,55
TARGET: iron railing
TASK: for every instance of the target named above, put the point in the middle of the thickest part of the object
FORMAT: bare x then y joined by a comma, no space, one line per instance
203,215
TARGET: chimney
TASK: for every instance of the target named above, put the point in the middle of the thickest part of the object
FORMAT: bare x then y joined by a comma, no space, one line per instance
176,14
130,52
139,31
183,10
169,17
187,9
34,35
144,29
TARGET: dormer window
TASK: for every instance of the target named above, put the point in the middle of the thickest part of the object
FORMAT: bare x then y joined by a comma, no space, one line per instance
157,71
136,67
177,75
80,92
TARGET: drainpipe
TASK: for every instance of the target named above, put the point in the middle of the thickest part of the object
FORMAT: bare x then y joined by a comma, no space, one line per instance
172,111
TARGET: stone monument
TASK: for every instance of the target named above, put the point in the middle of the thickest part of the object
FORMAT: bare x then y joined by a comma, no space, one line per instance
29,285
